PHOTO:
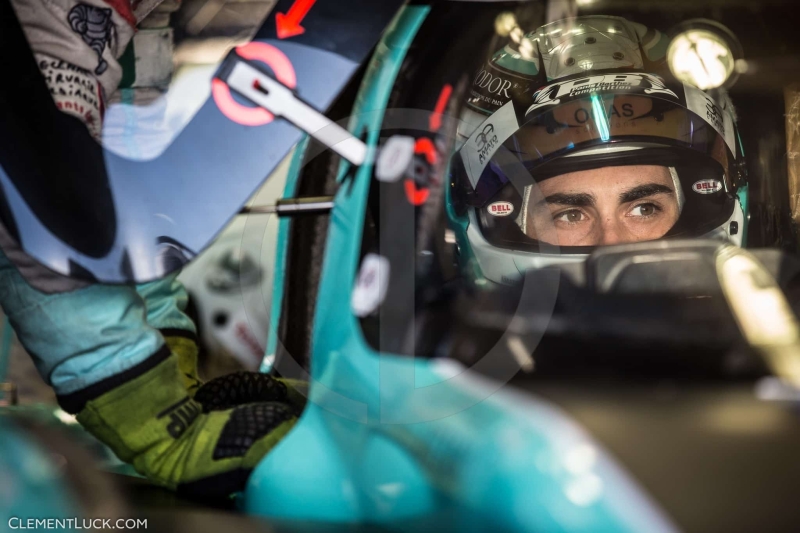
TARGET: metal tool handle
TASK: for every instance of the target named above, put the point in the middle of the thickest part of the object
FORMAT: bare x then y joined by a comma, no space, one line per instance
282,102
294,206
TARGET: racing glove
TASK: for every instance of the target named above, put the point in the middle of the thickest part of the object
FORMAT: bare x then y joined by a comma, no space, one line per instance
184,345
243,387
231,390
165,302
149,420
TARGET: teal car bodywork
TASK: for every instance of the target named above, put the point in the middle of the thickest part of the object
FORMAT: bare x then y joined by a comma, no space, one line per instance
33,486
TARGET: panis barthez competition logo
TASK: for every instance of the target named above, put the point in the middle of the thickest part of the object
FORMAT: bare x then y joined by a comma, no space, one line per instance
645,83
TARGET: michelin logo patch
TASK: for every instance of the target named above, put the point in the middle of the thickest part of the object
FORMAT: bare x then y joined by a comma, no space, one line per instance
95,27
646,83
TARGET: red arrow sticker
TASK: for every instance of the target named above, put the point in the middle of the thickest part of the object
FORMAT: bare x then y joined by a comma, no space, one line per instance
416,196
424,146
254,116
288,25
435,121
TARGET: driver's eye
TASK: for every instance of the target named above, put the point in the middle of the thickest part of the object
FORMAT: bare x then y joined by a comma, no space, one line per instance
571,217
644,210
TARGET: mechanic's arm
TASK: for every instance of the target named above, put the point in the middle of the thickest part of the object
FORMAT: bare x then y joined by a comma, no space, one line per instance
122,358
77,45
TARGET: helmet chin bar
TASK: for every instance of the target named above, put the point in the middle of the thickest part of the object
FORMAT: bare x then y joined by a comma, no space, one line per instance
506,266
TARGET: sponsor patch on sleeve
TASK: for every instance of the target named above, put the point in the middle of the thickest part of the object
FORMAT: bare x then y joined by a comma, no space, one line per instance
75,91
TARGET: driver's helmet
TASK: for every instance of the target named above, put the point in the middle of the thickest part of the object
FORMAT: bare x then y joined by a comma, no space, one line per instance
575,96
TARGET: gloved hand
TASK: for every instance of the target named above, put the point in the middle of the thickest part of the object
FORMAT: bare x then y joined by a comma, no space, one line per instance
153,423
233,389
244,387
184,345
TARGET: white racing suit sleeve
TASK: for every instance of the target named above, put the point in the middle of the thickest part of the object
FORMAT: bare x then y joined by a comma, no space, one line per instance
76,45
80,334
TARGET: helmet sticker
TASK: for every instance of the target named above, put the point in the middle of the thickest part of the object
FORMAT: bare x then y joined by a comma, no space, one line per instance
486,139
394,158
649,84
371,285
704,106
500,209
494,85
623,108
707,186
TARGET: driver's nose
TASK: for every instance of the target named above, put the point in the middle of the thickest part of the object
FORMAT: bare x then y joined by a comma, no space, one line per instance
612,231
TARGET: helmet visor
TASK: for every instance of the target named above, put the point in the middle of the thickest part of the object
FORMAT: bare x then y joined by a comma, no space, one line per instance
584,123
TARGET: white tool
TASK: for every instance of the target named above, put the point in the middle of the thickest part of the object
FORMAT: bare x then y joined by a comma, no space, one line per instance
281,102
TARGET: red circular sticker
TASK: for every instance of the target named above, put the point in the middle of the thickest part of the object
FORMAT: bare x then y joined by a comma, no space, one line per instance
500,209
707,186
246,115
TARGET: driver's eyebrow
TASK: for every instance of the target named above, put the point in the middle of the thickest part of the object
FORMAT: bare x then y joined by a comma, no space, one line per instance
643,191
571,199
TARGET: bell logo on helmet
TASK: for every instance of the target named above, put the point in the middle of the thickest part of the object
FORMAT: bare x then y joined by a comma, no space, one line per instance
553,94
707,186
500,209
